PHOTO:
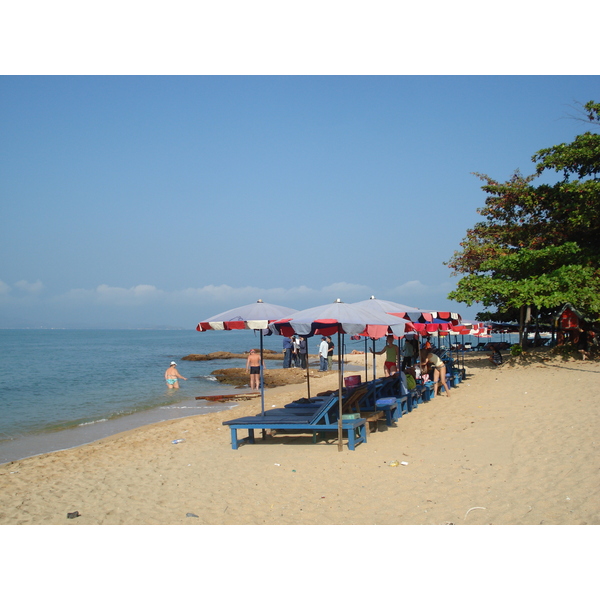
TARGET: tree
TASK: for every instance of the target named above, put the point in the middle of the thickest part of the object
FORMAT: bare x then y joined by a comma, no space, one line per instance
539,246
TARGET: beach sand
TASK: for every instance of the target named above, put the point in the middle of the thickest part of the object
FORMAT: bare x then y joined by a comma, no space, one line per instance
513,445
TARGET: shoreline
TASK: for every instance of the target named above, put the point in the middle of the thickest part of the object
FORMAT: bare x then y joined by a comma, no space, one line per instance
42,442
512,445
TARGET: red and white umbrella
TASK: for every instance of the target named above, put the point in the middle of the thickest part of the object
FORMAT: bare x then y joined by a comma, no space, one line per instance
341,318
255,316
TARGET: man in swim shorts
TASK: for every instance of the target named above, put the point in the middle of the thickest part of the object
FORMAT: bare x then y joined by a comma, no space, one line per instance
253,367
172,375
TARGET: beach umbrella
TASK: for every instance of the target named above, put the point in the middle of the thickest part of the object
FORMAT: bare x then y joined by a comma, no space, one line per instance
256,316
403,311
423,322
410,313
341,318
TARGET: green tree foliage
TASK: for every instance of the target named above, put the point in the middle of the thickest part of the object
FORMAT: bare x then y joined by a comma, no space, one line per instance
538,246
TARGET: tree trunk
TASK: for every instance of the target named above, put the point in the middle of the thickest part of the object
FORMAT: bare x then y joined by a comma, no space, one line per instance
524,319
521,325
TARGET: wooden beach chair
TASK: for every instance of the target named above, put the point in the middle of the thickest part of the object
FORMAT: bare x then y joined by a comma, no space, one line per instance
355,400
385,395
323,419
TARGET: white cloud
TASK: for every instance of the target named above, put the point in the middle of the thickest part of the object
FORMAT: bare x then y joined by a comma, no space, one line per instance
31,288
208,297
148,305
347,292
115,296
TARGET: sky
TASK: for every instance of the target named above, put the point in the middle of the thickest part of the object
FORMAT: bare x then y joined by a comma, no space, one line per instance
151,201
160,200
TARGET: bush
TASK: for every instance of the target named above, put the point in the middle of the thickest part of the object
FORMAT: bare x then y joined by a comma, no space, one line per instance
516,350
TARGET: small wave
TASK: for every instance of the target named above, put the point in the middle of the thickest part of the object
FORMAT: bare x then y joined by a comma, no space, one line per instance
92,422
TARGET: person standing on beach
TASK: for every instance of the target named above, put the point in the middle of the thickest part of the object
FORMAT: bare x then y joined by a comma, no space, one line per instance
390,366
296,351
287,352
253,365
302,352
411,349
330,347
172,375
439,371
323,350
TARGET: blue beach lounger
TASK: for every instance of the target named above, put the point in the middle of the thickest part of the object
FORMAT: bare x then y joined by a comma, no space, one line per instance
323,418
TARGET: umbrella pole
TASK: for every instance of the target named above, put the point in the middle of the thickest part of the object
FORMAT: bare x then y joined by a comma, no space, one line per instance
307,370
366,361
262,384
374,358
341,365
340,382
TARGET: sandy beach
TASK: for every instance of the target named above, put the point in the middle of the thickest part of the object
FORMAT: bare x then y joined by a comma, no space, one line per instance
514,445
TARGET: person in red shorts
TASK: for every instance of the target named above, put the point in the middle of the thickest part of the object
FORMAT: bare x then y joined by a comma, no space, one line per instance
390,366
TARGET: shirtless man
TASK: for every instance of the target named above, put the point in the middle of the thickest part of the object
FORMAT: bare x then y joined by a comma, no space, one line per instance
172,375
253,367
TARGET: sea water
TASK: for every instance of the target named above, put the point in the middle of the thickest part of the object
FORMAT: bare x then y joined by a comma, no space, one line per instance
63,388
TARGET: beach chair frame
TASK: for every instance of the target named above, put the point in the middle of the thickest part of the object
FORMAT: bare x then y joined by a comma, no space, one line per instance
323,419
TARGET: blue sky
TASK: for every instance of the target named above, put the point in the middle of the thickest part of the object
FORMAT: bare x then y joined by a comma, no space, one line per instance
158,201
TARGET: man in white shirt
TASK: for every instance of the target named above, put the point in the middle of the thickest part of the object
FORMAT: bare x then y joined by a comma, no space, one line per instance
323,349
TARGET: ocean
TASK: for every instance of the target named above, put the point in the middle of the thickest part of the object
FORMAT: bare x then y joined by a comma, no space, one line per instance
64,388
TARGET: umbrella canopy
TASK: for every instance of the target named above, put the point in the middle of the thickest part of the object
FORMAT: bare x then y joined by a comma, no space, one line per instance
392,308
341,318
470,328
410,313
426,328
251,316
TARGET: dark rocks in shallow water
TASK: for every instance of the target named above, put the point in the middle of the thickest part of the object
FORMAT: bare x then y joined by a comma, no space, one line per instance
267,355
272,377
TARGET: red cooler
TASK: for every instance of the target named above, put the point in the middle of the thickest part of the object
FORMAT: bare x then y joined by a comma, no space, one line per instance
352,381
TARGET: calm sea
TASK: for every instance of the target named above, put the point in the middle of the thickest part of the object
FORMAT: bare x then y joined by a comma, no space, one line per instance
63,388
